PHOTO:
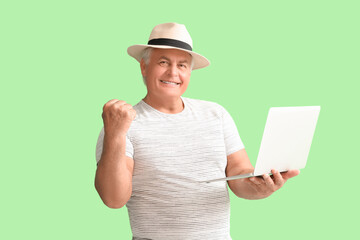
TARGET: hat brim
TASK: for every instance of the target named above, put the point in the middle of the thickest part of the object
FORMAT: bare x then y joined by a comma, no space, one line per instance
200,61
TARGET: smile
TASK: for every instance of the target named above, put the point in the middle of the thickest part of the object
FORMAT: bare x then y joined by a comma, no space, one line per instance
167,82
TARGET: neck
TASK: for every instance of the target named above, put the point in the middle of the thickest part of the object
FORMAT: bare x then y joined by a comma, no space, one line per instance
170,105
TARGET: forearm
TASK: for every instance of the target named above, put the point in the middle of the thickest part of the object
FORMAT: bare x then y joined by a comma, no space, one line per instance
113,179
242,189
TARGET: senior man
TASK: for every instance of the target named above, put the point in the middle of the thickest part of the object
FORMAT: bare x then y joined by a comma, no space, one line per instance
153,156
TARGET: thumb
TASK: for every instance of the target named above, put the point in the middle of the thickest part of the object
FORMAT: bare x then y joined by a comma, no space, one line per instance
290,174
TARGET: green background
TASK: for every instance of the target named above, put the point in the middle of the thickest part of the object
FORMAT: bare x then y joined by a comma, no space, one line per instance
60,61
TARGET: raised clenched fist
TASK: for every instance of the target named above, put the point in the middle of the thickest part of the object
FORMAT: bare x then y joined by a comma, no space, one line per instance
117,116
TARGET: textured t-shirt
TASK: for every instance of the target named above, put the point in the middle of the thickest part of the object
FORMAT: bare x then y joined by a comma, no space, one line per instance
172,154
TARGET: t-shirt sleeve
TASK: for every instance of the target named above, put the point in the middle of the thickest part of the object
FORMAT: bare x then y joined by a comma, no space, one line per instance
100,142
99,145
232,139
129,150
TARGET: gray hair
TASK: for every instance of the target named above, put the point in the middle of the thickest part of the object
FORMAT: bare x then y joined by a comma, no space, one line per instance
146,57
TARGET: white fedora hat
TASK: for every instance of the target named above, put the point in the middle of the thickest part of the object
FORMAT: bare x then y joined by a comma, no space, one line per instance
170,36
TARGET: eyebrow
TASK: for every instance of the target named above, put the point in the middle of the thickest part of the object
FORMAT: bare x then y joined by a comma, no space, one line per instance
182,61
164,58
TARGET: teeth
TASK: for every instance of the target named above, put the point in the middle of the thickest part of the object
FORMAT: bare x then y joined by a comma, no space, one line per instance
169,82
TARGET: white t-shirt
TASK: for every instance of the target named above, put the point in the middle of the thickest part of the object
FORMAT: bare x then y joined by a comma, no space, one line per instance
172,153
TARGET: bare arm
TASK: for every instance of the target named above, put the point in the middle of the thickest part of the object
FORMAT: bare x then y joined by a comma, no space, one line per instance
239,163
113,179
254,187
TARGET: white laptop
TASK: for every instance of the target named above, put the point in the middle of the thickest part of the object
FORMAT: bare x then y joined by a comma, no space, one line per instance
286,140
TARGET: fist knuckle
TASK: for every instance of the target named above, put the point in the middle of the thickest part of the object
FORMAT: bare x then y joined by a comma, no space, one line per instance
125,110
109,103
106,105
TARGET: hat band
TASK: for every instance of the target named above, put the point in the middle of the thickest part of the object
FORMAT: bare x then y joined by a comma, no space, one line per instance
170,42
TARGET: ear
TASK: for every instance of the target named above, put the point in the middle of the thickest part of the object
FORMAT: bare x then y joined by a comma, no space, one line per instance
143,67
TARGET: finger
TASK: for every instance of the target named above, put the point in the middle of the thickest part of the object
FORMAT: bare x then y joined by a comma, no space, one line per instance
268,181
133,114
290,174
112,101
278,180
109,103
128,106
129,109
119,103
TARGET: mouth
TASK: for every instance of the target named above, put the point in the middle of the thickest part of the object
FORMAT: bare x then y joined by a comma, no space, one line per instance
169,82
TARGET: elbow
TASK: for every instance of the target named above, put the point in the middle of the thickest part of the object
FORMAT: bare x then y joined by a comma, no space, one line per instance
111,201
114,202
114,205
112,198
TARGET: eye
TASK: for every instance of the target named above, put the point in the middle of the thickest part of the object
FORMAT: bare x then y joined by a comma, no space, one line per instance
182,65
163,63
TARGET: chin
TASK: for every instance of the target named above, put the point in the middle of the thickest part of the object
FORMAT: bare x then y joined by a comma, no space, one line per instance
171,94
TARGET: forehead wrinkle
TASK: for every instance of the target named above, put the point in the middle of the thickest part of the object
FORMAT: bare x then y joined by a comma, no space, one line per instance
166,58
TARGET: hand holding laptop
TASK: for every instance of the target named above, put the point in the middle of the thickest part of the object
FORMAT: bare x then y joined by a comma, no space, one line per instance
267,184
259,187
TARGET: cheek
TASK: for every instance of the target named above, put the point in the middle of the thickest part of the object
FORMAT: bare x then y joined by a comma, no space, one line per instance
185,77
185,83
156,71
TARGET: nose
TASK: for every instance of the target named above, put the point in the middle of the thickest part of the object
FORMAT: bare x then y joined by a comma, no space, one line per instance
173,71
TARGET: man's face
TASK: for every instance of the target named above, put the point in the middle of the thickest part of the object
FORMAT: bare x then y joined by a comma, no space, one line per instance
167,73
